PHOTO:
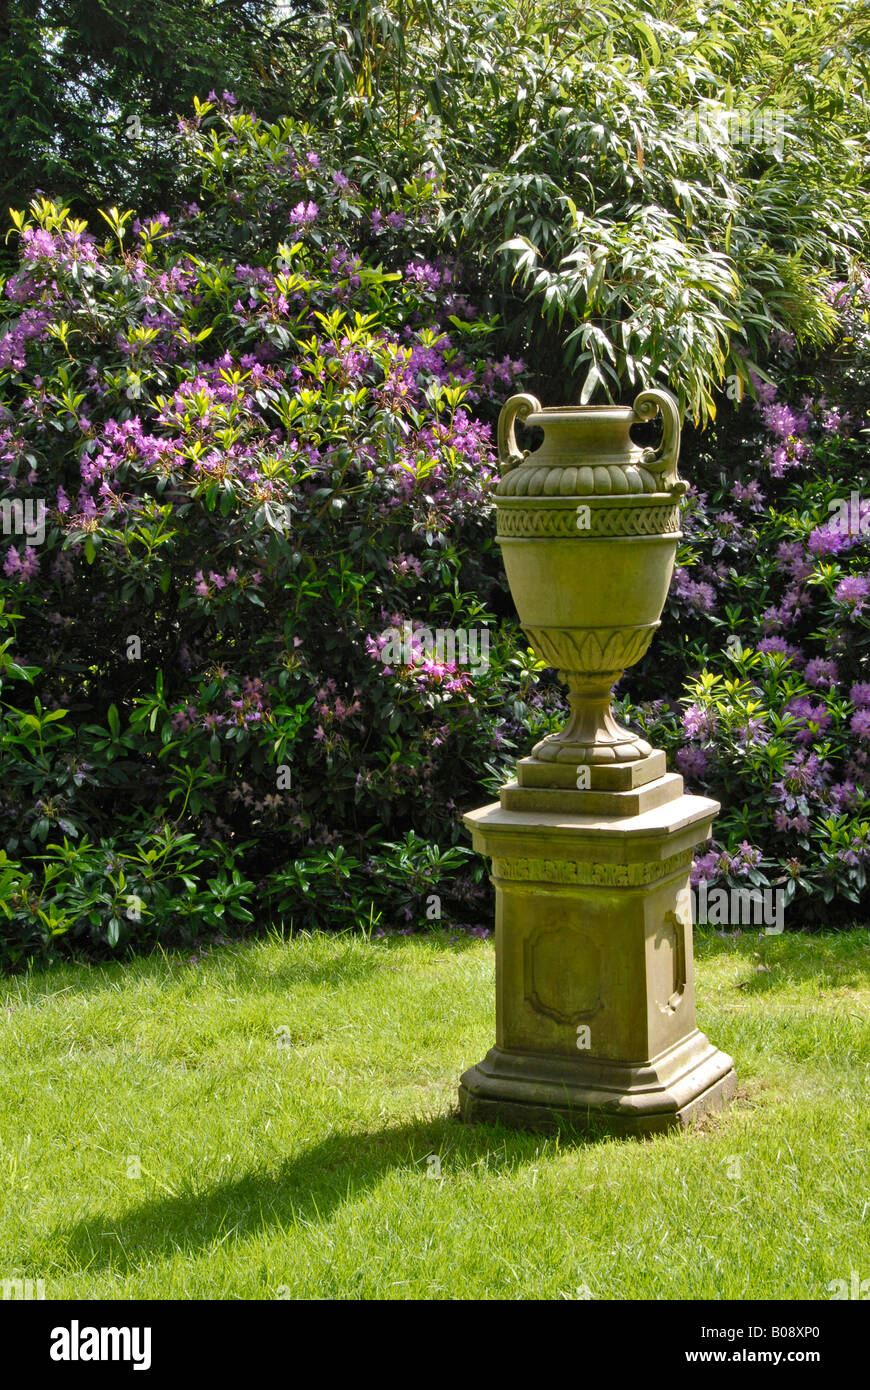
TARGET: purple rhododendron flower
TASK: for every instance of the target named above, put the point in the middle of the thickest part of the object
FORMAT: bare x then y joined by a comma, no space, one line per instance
746,859
24,567
779,644
748,494
852,590
691,762
860,723
815,717
304,214
698,721
820,673
829,540
706,867
694,593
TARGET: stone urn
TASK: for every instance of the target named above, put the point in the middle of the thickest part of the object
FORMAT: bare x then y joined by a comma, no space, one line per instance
588,526
591,846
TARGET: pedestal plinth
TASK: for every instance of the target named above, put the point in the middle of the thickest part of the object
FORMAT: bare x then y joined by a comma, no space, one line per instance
595,996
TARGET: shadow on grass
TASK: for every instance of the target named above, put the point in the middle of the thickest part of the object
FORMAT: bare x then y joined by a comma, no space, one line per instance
841,958
308,1189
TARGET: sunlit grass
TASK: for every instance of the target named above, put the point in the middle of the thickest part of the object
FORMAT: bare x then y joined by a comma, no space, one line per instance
287,1107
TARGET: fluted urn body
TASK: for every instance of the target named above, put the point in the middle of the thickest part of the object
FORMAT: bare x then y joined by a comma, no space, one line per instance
588,525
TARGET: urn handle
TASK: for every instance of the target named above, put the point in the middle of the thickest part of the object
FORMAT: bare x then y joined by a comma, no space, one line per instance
664,459
517,408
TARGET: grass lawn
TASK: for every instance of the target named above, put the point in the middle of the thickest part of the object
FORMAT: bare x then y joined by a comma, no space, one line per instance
261,1123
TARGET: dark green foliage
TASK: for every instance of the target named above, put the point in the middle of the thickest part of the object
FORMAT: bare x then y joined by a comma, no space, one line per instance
89,90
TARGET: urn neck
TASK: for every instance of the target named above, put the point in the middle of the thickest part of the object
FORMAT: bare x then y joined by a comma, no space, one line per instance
598,431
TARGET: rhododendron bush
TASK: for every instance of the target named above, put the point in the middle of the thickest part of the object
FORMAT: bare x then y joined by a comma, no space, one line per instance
256,647
768,619
251,470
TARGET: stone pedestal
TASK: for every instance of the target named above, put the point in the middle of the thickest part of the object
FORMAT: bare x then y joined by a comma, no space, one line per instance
595,998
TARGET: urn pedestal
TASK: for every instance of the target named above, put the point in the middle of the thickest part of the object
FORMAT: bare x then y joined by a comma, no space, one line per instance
592,844
595,993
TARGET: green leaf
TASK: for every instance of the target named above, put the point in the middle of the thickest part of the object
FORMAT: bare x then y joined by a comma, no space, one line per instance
593,378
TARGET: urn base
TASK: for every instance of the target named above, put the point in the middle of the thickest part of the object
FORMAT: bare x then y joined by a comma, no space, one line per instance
592,735
624,789
514,797
601,777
